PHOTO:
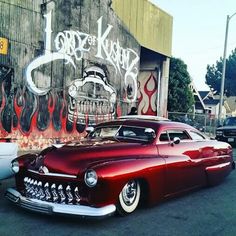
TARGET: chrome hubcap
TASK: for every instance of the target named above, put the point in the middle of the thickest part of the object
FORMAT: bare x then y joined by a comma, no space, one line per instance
129,192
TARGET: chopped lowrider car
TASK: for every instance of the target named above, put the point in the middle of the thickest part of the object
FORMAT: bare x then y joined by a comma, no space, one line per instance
8,152
119,165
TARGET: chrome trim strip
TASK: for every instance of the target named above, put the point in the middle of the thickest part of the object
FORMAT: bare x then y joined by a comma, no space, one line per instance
53,174
143,117
219,166
56,208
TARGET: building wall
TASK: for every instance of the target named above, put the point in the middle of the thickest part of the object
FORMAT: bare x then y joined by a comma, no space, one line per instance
69,64
150,25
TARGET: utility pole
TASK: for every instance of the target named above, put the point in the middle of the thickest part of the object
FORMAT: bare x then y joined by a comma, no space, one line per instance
220,117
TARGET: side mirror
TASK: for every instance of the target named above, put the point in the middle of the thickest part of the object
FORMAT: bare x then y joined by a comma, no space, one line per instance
176,140
150,133
89,129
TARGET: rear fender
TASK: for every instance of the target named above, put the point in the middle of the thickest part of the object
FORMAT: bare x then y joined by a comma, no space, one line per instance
216,173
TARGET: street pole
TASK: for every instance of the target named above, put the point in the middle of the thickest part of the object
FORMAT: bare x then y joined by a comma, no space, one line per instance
220,117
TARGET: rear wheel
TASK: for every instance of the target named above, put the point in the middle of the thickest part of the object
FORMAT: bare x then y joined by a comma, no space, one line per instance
129,198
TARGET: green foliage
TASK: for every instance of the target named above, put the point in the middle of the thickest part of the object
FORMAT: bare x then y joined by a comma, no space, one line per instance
214,75
180,96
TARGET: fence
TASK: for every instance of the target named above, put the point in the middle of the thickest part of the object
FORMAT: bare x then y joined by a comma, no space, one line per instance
206,123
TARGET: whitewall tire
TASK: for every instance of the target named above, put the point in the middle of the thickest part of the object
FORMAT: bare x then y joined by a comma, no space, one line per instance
129,197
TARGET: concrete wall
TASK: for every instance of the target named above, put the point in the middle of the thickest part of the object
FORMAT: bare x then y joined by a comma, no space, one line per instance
69,64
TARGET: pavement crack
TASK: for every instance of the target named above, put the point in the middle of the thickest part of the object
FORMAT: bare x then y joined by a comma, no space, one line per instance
178,217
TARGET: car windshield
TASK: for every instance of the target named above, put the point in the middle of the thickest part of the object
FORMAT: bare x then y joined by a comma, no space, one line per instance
123,132
230,121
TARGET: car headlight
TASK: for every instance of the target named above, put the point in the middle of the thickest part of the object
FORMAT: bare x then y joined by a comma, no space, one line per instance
219,133
72,90
90,178
15,166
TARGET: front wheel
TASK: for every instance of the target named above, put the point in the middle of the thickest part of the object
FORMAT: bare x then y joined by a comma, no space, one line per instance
129,198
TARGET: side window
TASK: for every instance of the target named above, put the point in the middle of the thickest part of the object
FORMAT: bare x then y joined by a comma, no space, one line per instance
129,133
196,136
164,137
133,132
181,134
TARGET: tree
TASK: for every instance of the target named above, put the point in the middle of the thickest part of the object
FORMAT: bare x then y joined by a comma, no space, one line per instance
214,75
180,96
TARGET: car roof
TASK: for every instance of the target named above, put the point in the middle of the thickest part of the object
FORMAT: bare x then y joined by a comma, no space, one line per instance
143,117
147,121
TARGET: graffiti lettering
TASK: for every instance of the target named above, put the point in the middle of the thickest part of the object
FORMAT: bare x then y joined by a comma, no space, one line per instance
47,57
119,57
74,43
114,53
131,75
71,45
102,40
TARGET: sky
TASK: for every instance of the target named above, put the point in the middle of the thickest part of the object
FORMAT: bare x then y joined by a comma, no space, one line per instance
199,33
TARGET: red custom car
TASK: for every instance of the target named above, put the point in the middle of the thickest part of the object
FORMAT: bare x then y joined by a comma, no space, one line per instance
120,164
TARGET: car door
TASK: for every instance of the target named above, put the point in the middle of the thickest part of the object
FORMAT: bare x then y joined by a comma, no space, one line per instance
183,166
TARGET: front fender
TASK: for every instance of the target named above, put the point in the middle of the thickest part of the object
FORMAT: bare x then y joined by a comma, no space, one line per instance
112,176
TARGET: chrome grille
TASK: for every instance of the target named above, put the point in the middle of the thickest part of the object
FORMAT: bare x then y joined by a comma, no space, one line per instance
230,133
51,192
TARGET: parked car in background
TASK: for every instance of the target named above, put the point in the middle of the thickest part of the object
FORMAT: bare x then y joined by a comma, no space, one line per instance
227,132
8,152
132,160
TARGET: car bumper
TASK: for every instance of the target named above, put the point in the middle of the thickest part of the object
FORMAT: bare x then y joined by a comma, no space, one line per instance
5,167
230,140
56,208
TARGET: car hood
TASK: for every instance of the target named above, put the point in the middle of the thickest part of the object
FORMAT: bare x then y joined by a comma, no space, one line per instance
72,159
226,128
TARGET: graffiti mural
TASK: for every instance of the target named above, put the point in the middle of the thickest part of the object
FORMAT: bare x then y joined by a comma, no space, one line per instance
147,98
92,98
49,106
42,120
71,45
6,75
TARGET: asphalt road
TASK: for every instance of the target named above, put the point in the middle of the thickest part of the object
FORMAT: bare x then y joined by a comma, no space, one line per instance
209,211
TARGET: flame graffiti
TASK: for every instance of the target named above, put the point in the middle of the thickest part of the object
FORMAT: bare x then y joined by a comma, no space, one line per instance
147,96
3,132
35,122
36,138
